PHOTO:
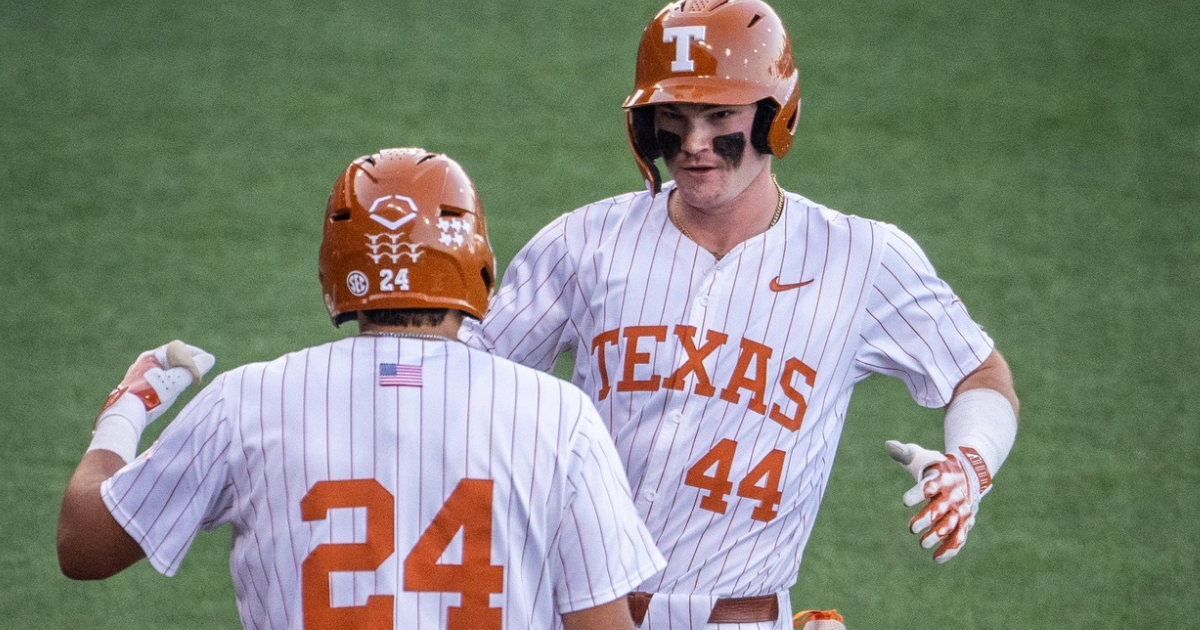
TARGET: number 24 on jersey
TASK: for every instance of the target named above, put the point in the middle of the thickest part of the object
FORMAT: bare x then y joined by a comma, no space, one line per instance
468,508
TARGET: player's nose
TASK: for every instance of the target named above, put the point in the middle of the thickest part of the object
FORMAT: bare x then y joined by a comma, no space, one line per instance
696,139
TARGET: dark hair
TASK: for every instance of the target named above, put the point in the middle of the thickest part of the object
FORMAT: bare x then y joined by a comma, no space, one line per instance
409,316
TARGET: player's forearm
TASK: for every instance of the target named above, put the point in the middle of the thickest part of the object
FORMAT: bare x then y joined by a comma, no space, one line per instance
980,429
981,420
993,374
91,545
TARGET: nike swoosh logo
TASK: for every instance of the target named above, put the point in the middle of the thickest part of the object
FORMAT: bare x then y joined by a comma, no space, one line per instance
778,287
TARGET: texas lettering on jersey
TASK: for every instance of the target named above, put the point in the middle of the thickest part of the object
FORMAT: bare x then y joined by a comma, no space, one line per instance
750,374
725,383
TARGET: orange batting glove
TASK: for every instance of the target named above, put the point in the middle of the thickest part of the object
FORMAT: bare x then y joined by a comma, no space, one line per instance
953,488
151,385
818,620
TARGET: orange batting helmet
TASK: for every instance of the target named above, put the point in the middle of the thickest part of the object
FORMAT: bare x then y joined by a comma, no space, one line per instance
718,52
404,229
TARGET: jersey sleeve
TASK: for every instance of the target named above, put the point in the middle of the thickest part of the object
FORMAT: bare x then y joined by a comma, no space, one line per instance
526,320
604,550
916,328
178,486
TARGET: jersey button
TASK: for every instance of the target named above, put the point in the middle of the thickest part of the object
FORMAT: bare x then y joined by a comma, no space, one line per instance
650,495
704,301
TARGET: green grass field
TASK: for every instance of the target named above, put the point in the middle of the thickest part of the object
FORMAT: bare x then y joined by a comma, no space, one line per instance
165,168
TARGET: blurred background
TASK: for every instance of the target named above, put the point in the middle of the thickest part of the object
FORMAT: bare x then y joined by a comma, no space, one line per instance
165,168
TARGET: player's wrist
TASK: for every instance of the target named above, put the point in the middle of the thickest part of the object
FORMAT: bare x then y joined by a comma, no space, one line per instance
119,427
977,478
981,427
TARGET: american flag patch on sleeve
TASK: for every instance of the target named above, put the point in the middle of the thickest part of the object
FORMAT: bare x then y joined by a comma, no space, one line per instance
399,375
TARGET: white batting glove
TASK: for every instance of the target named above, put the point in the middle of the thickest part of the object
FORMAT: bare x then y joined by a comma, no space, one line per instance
150,387
913,458
952,487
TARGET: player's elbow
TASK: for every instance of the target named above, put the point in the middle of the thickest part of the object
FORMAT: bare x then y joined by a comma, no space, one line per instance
87,551
76,563
75,572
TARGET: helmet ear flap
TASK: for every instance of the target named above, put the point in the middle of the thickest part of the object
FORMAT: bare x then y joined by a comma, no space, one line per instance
775,127
640,123
782,131
760,132
643,129
489,281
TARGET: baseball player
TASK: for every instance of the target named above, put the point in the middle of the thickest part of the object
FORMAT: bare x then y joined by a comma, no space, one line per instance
394,479
720,324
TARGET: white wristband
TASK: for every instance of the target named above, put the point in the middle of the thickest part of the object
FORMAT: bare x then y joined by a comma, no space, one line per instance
118,429
982,425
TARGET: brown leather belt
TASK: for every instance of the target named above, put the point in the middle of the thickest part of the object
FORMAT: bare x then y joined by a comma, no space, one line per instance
727,610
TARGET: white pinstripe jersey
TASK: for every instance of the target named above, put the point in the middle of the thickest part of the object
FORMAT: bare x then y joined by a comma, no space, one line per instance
725,383
470,493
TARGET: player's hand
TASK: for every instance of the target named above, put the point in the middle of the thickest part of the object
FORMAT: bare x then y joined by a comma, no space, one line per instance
154,382
952,489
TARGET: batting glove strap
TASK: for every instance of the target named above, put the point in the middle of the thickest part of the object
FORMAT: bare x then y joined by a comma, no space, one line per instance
974,479
976,469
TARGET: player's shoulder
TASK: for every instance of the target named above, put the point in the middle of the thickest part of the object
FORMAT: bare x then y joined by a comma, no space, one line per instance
587,227
607,212
224,388
891,246
836,220
541,384
521,372
823,214
617,203
288,361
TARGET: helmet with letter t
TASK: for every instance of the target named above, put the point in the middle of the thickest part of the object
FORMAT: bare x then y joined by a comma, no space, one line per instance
716,52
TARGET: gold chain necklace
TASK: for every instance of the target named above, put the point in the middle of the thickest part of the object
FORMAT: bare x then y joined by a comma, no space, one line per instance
673,212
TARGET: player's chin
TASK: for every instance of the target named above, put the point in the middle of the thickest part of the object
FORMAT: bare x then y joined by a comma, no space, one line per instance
700,183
